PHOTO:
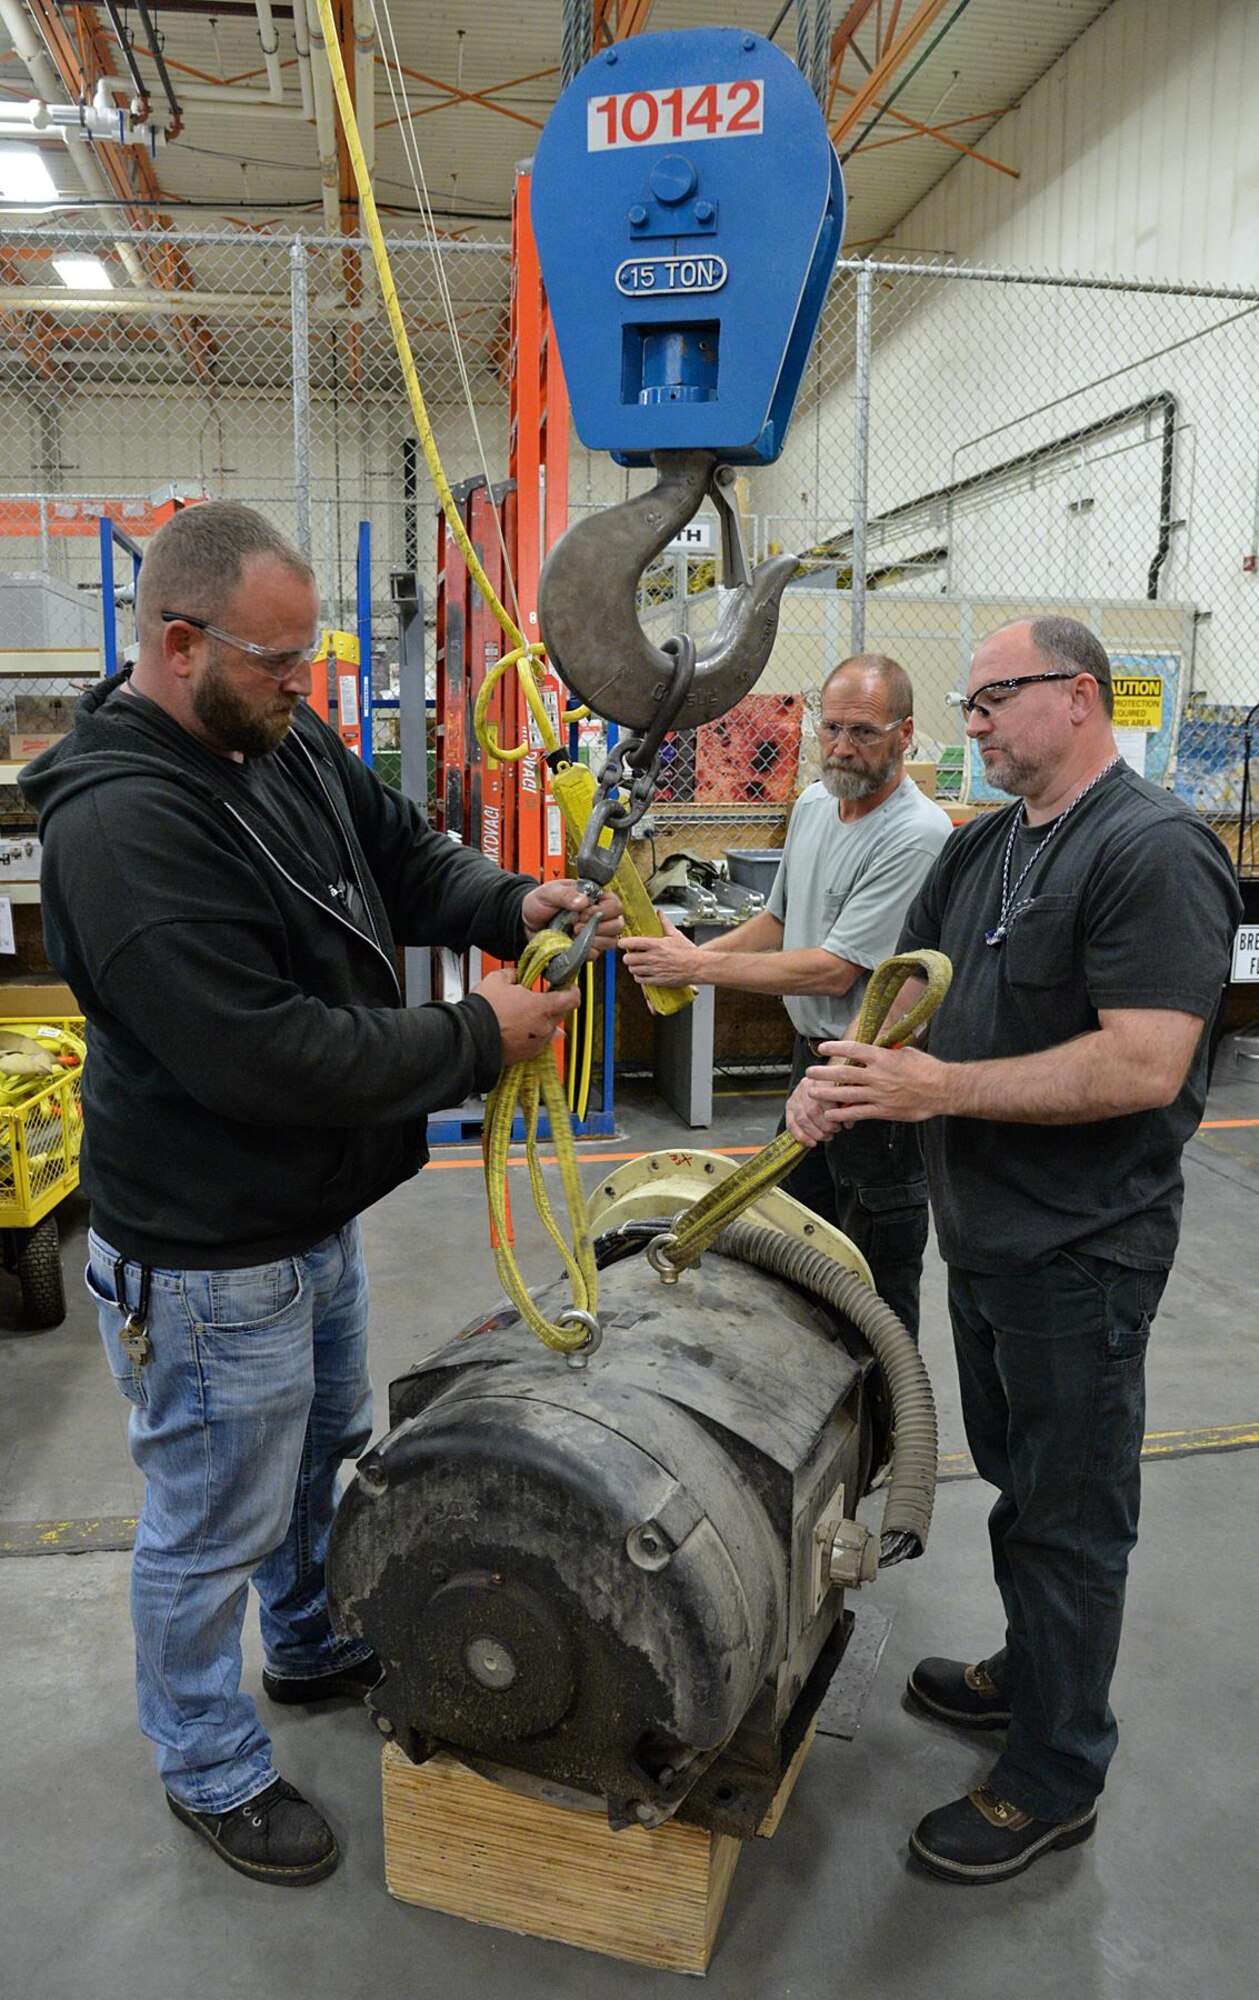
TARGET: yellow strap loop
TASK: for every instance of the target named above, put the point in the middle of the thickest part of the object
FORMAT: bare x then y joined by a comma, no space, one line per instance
706,1218
530,1086
487,731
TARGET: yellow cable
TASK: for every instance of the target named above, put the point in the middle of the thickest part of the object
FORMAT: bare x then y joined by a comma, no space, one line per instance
530,1086
380,254
706,1218
542,1085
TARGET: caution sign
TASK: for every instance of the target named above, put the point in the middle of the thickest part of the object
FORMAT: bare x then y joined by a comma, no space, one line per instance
1138,701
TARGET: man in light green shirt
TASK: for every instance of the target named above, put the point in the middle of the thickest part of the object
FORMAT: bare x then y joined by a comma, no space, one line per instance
859,845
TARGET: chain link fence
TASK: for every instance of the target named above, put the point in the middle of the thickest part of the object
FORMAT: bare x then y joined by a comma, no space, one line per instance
968,446
971,447
245,367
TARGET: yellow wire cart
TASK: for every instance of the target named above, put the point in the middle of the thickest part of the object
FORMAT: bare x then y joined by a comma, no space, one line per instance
41,1130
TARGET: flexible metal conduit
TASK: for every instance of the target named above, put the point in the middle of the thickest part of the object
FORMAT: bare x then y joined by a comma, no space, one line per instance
915,1450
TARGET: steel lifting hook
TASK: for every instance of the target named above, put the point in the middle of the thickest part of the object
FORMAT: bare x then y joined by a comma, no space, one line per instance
588,601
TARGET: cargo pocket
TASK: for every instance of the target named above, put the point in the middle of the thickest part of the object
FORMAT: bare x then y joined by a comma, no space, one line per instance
896,1222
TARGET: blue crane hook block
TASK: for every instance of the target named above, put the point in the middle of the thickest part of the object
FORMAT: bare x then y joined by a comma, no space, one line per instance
688,208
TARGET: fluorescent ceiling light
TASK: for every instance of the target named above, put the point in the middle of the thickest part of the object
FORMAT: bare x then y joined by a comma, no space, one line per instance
83,274
23,175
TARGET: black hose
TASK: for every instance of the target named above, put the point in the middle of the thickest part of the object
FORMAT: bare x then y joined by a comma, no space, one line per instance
915,1448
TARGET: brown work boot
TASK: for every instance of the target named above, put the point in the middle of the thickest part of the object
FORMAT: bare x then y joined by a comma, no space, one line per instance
968,1697
985,1838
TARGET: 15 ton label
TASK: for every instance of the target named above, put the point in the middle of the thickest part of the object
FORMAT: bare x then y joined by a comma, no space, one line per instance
689,111
670,274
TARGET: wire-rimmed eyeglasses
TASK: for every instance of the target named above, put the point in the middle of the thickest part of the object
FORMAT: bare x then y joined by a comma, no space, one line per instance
995,694
269,661
862,735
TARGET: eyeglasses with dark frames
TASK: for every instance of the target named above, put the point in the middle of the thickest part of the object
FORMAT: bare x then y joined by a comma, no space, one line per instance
278,665
862,735
995,694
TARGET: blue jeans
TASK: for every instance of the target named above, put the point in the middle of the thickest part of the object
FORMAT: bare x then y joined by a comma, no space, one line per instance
254,1390
870,1183
1052,1370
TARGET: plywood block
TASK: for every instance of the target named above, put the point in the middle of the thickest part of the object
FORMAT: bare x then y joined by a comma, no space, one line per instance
770,1824
455,1842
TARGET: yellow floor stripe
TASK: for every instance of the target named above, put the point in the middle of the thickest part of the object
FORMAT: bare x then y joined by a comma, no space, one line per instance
110,1533
1158,1444
548,1159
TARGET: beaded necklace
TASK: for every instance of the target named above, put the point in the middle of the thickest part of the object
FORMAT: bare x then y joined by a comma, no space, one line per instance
1001,930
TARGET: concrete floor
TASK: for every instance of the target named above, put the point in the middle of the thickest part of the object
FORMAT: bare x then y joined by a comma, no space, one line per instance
103,1896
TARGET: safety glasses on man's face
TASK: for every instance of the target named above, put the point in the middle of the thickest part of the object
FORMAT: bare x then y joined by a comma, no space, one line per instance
995,694
278,665
862,735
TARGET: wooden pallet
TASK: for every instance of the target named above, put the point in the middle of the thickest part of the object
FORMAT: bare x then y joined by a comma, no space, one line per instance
455,1842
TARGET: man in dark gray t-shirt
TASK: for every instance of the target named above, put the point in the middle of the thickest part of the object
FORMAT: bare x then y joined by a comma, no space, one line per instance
1089,929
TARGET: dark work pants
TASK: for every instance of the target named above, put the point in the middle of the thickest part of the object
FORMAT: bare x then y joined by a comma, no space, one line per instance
1052,1370
869,1181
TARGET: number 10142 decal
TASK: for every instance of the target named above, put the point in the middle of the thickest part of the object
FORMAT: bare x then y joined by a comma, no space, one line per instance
667,117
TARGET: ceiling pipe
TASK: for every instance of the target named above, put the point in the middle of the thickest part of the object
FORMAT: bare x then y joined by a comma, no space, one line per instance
63,299
88,121
365,78
227,96
128,56
239,98
176,125
30,51
270,43
325,123
301,43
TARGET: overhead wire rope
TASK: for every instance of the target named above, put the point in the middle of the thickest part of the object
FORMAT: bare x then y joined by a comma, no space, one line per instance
521,651
405,120
532,1085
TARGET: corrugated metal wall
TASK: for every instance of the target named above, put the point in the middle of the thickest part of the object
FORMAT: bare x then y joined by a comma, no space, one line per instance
1138,156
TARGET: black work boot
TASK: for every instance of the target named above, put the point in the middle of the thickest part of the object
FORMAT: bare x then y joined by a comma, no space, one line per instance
276,1837
985,1838
967,1697
351,1683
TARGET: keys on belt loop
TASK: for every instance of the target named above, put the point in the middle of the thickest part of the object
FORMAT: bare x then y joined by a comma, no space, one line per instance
134,1336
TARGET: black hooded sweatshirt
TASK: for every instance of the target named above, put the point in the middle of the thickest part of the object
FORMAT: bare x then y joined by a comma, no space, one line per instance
253,1079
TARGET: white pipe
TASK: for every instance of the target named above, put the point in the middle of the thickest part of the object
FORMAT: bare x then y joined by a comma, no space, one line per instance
30,50
236,97
365,78
270,50
228,96
301,43
96,182
94,121
26,298
325,121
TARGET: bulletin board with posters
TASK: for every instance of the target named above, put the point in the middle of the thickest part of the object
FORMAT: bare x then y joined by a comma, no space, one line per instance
1148,696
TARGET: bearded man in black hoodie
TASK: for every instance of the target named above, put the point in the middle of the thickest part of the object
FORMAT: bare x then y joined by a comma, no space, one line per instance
224,891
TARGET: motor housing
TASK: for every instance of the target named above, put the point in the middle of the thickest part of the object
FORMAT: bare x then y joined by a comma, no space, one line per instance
609,1585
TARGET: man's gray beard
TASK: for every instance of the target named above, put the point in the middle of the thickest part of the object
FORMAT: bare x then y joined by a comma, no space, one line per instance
1013,774
860,784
